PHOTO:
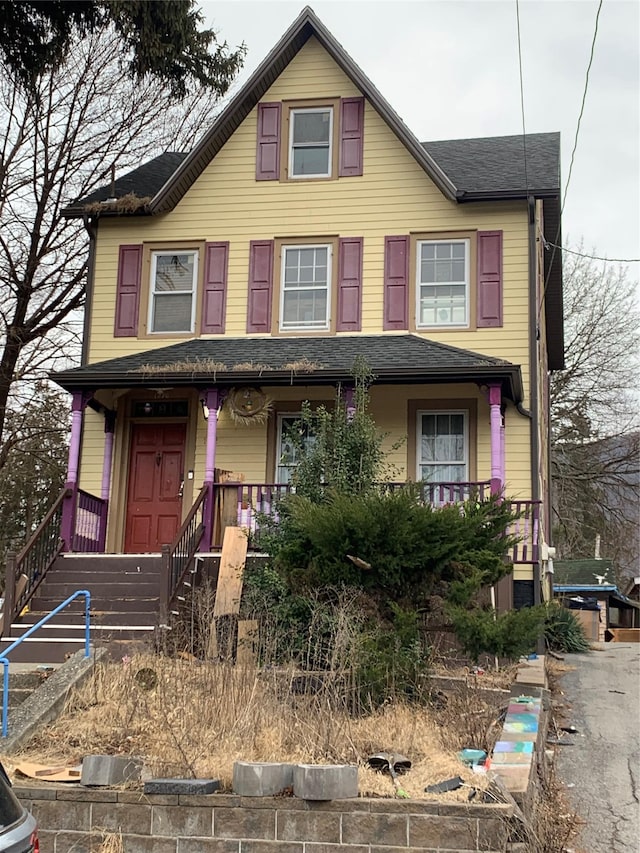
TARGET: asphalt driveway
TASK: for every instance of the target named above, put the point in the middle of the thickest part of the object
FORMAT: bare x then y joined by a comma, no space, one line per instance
602,768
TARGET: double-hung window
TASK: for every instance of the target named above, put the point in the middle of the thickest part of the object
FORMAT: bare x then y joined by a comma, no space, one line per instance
310,142
289,445
172,295
305,292
442,286
443,447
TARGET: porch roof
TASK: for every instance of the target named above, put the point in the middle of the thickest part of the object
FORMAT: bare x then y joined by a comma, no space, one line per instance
393,359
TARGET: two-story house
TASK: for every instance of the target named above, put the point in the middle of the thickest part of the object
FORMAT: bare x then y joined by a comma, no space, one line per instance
308,227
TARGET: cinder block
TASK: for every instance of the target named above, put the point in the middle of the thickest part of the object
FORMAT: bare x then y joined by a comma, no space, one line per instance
181,786
110,769
261,779
325,781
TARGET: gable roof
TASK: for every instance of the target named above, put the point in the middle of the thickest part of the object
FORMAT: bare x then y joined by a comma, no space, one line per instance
402,358
459,168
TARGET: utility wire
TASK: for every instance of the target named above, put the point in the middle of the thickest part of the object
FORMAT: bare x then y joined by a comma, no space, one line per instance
592,257
524,133
584,98
573,154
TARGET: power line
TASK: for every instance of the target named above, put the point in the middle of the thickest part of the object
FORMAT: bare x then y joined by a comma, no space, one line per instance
592,257
584,98
573,154
524,133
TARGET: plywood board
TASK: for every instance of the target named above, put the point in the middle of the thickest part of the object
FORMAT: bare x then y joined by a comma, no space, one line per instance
232,562
247,642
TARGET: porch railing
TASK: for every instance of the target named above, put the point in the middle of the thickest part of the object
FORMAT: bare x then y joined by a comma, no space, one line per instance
247,504
527,529
33,562
90,524
178,558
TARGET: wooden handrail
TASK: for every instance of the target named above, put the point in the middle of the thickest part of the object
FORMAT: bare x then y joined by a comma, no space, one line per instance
36,533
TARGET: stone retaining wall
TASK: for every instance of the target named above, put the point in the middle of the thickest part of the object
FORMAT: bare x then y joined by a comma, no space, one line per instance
76,820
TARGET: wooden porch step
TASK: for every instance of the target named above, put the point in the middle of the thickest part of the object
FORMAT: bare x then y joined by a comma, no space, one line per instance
98,617
109,563
100,590
98,605
82,576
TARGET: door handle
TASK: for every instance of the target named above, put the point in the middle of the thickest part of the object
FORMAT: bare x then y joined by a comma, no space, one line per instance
181,489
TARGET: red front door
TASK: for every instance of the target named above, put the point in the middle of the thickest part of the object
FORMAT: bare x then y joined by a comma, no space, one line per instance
154,499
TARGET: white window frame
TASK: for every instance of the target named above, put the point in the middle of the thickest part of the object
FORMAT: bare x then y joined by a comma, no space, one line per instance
295,416
155,254
420,462
292,117
466,242
329,286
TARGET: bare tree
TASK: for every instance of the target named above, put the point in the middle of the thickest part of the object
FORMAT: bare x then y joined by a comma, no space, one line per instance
66,135
594,415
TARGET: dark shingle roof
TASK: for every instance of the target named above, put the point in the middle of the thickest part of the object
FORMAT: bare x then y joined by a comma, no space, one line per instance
285,361
487,166
145,181
496,164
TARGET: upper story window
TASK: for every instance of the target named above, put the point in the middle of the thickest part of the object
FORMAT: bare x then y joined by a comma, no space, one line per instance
172,302
305,292
310,142
442,286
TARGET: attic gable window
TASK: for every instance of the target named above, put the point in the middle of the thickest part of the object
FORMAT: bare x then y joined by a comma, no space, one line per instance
310,142
172,301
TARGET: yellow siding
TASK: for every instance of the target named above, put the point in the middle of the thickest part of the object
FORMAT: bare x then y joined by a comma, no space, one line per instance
393,197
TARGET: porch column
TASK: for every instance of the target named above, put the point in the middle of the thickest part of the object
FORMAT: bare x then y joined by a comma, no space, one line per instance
497,473
109,428
349,401
210,399
105,489
67,525
503,452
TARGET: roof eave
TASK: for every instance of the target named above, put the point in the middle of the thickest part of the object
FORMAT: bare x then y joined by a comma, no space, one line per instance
506,195
74,381
302,29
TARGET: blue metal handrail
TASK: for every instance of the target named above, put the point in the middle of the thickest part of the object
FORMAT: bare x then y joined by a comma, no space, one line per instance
32,630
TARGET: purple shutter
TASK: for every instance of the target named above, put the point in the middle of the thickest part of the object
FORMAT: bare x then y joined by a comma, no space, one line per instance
396,283
268,146
214,292
128,291
489,279
351,136
349,284
260,285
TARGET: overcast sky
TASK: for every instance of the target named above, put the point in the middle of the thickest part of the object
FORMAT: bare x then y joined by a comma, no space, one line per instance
450,69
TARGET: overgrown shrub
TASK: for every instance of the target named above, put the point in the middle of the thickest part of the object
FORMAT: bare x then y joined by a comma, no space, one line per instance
562,631
508,635
412,548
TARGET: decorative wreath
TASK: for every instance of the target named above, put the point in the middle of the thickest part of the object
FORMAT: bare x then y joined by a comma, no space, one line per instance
248,406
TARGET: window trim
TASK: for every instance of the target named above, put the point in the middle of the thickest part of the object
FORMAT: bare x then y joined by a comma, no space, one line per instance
153,292
416,239
286,131
146,300
466,282
285,407
280,245
466,405
465,426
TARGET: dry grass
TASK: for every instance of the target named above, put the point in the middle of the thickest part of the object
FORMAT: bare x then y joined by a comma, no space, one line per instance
203,716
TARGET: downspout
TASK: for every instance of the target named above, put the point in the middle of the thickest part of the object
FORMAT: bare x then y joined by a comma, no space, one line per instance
533,373
91,226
